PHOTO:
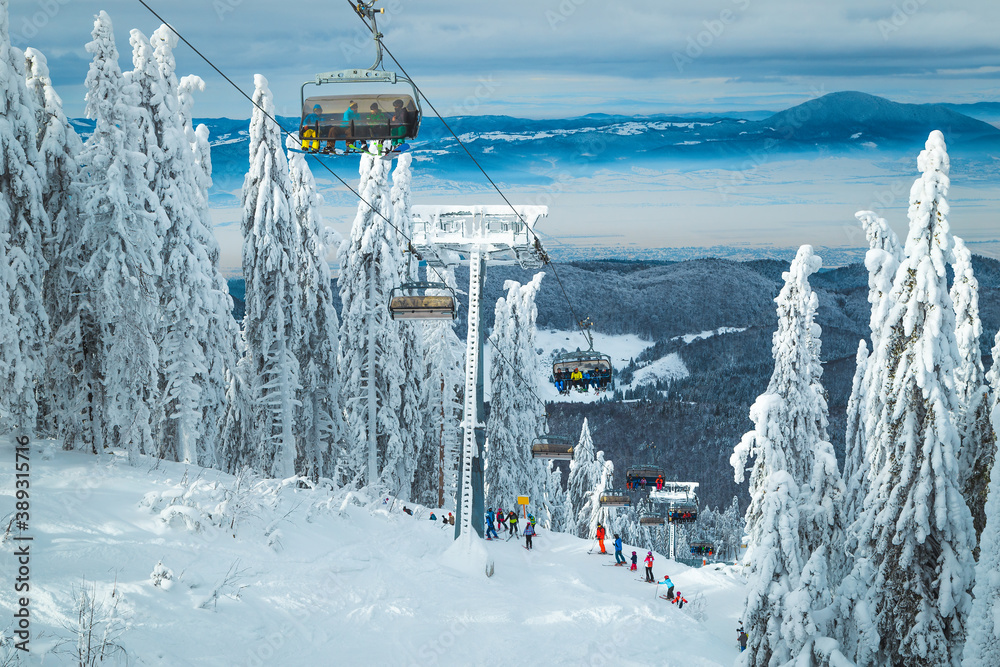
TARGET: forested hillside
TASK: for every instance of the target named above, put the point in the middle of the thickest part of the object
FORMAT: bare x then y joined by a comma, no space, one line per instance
690,426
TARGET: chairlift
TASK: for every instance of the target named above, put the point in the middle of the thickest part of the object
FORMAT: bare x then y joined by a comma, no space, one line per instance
702,548
358,115
649,472
555,447
651,518
582,368
615,498
423,301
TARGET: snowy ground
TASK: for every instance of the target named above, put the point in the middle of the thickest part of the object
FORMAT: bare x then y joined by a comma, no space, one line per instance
325,582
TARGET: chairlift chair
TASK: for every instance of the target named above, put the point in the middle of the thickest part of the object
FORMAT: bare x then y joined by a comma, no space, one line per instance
359,115
648,471
418,301
552,447
651,518
615,498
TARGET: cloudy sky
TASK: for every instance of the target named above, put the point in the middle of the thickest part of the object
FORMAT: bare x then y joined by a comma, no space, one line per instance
550,58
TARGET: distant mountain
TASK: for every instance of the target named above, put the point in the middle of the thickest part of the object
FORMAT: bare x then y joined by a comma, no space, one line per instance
538,152
852,116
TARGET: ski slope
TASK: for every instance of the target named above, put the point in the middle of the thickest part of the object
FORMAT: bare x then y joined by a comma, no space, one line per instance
322,577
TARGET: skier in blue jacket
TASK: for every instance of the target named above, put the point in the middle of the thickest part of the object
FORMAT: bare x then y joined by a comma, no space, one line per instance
489,524
619,558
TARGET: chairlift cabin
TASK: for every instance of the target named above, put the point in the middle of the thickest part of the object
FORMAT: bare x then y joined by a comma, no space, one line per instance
681,500
651,518
635,475
615,498
702,548
423,301
595,369
357,113
552,447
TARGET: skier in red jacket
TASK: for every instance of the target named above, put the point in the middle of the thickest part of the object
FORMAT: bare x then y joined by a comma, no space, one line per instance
600,537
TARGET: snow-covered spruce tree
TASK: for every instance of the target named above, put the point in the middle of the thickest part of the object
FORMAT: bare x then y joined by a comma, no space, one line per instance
882,260
119,241
793,461
916,529
24,324
978,440
555,499
184,281
516,415
221,334
319,419
419,461
855,466
982,647
444,358
370,347
59,393
593,512
584,476
272,323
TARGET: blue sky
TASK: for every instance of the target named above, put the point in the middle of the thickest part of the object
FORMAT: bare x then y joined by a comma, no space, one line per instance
551,58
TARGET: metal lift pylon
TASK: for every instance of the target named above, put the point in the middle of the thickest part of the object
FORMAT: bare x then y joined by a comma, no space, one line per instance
483,234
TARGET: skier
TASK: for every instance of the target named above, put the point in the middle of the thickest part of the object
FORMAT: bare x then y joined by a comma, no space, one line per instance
670,586
635,562
741,637
649,567
679,600
531,518
619,558
451,519
489,525
512,520
501,519
600,537
529,532
659,483
432,517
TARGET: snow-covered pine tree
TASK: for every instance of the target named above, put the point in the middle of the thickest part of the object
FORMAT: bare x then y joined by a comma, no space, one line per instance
419,461
584,476
370,347
978,447
24,324
882,260
59,396
183,281
794,473
855,466
916,528
593,513
122,250
444,358
319,418
555,499
982,647
221,334
516,415
272,323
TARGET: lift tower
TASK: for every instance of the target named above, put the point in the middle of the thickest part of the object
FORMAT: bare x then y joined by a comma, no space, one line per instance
478,234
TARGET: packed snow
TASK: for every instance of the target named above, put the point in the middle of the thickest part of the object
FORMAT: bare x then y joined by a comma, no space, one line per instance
211,569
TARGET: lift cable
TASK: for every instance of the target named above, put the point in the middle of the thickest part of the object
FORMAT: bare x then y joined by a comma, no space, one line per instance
562,287
325,166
